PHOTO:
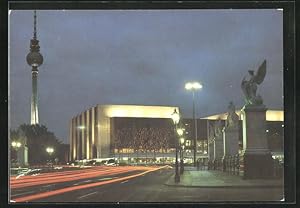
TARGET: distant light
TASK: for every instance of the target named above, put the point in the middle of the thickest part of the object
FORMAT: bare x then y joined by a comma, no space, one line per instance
186,124
282,125
49,150
81,127
279,9
267,130
197,85
182,140
193,86
188,86
180,131
14,144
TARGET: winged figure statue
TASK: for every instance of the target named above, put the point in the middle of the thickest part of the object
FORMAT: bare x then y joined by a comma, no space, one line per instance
249,87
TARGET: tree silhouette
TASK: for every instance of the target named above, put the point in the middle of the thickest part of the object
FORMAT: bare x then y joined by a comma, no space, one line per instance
38,139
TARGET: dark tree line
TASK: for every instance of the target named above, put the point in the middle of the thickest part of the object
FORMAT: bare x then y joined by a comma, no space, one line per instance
38,138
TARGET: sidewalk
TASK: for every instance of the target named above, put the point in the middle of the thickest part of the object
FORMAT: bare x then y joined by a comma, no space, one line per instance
218,179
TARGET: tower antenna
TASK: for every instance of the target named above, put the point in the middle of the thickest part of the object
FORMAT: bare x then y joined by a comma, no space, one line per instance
34,24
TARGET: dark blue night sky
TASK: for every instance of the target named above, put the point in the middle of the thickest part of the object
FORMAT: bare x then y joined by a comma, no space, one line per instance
142,57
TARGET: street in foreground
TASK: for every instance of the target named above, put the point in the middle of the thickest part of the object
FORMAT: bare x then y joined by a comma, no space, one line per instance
127,184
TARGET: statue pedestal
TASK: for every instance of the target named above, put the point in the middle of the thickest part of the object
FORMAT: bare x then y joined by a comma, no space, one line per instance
258,162
231,144
231,141
218,147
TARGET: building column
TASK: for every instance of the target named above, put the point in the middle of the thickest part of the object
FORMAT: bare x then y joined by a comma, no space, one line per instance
78,145
71,140
87,130
74,142
82,132
93,126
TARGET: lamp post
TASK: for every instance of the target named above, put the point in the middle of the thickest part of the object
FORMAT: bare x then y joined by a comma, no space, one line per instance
193,86
180,132
176,118
181,155
16,145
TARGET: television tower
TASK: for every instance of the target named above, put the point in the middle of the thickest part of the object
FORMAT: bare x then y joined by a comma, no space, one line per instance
34,59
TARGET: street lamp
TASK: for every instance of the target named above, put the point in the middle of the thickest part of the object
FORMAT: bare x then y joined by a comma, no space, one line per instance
16,145
193,86
180,131
50,151
175,117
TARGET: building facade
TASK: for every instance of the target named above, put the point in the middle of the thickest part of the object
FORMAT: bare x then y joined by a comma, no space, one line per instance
91,132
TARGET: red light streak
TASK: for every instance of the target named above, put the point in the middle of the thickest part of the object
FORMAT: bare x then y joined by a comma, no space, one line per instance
74,188
58,178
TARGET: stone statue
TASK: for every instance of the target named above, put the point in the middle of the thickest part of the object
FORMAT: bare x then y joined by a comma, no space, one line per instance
249,87
232,118
218,127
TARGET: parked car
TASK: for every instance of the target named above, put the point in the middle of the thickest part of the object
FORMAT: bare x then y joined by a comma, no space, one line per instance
111,162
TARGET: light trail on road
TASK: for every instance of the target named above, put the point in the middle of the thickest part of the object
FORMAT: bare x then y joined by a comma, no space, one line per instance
84,186
69,176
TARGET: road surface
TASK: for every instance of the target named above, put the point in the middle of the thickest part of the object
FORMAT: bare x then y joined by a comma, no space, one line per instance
129,184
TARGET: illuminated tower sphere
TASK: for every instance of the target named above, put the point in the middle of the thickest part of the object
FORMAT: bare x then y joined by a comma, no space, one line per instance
34,59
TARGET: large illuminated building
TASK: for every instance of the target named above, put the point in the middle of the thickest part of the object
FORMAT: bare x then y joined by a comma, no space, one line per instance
92,131
107,131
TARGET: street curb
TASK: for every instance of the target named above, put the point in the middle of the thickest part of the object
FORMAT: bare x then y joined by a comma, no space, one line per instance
230,186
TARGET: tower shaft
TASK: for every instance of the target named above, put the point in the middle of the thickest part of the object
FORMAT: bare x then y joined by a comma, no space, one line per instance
34,97
34,59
